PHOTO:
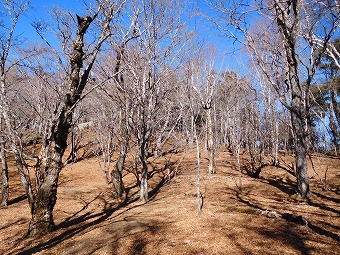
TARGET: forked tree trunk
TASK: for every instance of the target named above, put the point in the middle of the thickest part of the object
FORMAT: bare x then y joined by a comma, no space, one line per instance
56,140
117,172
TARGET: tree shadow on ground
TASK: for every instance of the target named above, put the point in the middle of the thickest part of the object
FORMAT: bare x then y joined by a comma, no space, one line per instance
287,187
17,199
75,224
332,199
323,232
317,228
255,171
73,227
323,206
287,236
132,231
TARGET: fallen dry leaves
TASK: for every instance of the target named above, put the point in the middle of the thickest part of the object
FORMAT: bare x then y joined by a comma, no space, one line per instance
233,221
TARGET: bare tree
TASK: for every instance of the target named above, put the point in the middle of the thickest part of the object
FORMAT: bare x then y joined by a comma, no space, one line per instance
4,169
325,103
240,115
56,136
114,102
42,196
150,64
288,25
204,82
13,11
124,104
106,134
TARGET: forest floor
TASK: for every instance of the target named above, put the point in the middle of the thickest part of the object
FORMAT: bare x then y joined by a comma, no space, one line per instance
263,216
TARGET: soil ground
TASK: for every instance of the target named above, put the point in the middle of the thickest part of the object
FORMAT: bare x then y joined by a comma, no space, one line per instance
262,216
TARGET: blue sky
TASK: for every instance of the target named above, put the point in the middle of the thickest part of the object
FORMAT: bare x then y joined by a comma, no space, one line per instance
41,10
233,59
73,5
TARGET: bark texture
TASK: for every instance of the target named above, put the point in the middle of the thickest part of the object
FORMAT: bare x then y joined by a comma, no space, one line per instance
117,173
288,18
56,141
144,196
4,175
117,177
210,143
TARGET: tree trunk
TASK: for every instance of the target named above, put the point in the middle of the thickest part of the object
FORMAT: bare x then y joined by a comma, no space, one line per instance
191,131
15,144
210,143
334,127
239,167
144,180
301,148
335,105
301,170
334,132
73,146
144,196
288,23
42,208
47,174
275,143
4,174
199,203
117,177
4,168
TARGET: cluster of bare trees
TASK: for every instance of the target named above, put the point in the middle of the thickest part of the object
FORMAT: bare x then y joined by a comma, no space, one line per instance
67,80
286,43
131,71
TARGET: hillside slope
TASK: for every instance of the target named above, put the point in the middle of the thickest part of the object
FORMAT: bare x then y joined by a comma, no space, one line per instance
264,217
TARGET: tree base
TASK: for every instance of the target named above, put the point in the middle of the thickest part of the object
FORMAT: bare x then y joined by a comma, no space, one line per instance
40,228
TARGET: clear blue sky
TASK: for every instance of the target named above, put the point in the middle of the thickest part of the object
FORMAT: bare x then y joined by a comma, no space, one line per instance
41,10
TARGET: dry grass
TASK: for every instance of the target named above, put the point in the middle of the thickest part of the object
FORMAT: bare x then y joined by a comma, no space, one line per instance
89,221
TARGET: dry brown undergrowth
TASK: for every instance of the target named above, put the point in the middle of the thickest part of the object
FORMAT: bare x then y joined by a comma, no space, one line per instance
233,221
